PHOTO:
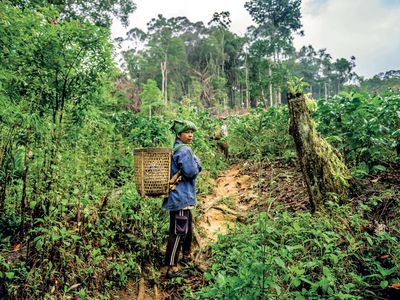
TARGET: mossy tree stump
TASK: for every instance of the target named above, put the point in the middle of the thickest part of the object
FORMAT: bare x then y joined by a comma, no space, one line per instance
327,177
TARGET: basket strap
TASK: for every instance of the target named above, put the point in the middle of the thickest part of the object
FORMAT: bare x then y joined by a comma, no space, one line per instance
175,180
177,176
177,147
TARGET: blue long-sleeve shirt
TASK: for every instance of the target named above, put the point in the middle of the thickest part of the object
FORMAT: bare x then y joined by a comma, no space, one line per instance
184,194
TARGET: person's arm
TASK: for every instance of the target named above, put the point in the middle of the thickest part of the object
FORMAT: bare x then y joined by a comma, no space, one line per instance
187,163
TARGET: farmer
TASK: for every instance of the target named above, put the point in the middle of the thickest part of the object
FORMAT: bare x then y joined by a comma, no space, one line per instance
219,136
182,197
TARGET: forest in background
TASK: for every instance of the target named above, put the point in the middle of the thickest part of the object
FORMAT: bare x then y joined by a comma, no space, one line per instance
214,67
72,224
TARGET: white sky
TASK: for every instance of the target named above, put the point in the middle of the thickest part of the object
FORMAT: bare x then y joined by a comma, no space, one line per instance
367,29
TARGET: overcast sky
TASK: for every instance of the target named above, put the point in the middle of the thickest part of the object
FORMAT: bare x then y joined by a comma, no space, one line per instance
367,29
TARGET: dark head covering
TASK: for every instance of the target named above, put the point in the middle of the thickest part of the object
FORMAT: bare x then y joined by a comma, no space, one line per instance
180,126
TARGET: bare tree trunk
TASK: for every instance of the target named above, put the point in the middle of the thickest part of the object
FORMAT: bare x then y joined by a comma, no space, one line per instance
326,90
223,54
247,83
319,91
264,99
166,83
271,100
164,80
25,177
23,197
241,97
279,95
5,167
276,96
326,176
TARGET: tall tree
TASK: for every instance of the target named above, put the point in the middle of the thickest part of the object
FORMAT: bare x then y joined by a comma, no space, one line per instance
52,73
325,71
343,71
277,20
220,23
167,48
151,97
307,66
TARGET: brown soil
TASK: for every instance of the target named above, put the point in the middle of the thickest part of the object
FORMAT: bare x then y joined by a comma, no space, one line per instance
241,189
221,209
246,188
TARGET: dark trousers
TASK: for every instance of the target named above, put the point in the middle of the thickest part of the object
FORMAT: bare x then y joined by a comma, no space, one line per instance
178,242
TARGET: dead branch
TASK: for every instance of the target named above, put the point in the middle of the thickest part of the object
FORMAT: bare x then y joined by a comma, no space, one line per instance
228,211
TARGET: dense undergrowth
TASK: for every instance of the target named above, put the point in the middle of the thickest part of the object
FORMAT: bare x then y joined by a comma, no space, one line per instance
286,255
344,252
94,233
97,233
365,128
72,224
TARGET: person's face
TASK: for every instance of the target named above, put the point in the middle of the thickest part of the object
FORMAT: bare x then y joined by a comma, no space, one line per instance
186,137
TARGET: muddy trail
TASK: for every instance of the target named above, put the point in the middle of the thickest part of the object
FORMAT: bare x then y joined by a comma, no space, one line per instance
245,189
237,191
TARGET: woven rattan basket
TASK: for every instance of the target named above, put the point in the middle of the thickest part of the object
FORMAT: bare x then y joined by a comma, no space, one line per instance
152,171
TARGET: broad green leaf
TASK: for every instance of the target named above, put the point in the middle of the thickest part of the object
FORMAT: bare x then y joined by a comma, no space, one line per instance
279,262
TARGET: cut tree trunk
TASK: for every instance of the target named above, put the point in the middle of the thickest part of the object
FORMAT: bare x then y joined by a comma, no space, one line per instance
326,176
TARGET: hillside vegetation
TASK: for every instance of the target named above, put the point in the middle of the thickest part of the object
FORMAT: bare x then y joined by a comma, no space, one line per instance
72,224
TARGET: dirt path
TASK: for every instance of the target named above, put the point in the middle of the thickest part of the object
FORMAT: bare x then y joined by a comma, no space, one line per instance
236,192
230,199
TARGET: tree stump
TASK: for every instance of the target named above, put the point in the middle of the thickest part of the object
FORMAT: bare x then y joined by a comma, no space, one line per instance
326,175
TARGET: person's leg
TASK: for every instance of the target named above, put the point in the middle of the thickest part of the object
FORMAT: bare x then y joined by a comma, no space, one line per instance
187,241
171,254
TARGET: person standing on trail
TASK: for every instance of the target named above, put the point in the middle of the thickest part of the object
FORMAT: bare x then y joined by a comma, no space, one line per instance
185,167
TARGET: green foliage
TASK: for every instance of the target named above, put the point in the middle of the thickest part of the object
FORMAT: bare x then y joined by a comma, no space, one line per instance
324,76
296,85
365,128
362,127
86,236
152,132
99,12
67,193
382,82
282,17
213,66
108,246
151,97
262,132
67,196
219,86
301,256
